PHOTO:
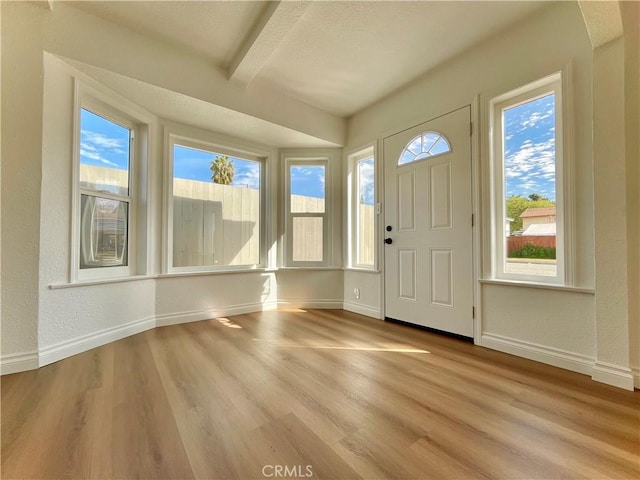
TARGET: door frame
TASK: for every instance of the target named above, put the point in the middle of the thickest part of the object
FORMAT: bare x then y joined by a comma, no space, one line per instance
477,230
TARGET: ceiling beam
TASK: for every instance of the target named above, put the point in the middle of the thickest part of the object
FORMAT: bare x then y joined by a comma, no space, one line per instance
276,21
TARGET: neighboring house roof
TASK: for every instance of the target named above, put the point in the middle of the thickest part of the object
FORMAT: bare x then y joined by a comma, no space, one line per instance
538,212
540,229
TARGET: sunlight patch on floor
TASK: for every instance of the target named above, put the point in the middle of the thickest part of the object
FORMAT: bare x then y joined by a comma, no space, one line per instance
228,323
361,348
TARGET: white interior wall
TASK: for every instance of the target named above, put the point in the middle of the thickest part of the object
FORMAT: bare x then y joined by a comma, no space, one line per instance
22,84
123,51
369,288
48,317
73,318
0,174
68,314
556,326
630,12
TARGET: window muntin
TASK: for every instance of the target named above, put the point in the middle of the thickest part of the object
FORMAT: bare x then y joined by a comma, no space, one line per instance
307,213
529,216
217,208
425,145
105,159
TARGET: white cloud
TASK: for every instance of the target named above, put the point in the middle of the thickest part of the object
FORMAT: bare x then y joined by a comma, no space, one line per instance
94,155
247,176
532,168
103,149
102,141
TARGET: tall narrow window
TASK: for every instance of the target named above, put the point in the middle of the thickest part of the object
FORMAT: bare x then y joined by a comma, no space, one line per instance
105,153
307,213
217,208
527,129
362,218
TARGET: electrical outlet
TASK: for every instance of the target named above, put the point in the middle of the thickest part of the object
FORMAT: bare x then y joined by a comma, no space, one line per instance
356,293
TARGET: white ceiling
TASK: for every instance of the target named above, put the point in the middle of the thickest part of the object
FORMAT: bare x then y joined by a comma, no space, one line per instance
337,56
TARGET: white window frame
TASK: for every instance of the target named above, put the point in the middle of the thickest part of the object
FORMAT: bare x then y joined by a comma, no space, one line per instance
353,195
289,216
557,85
209,142
121,113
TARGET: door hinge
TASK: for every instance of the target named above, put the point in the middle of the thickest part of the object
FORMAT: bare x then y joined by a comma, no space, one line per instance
470,129
473,312
473,219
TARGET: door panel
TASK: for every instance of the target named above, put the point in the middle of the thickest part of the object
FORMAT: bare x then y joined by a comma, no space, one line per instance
407,273
428,264
441,201
406,201
442,277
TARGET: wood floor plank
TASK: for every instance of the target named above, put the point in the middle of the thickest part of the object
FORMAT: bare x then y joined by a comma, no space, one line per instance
341,394
145,441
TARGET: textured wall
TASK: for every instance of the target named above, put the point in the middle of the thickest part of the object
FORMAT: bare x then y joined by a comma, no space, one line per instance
509,60
22,74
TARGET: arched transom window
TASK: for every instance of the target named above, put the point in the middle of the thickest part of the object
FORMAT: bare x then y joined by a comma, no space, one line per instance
425,145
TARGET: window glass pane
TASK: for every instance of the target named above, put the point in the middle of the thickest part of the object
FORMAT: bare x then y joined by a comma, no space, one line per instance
530,187
216,209
104,154
307,183
426,145
365,212
103,232
307,238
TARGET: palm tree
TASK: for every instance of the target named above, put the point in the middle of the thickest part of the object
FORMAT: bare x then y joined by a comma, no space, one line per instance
222,170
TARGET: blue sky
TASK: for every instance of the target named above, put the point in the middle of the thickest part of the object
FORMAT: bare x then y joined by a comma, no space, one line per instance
194,164
366,181
529,145
307,180
102,142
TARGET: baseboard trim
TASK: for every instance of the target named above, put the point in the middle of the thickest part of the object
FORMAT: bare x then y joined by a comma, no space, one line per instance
68,348
18,362
210,313
574,362
615,375
362,310
320,304
635,371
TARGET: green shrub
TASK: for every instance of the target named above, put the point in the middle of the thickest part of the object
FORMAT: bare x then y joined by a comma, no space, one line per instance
533,251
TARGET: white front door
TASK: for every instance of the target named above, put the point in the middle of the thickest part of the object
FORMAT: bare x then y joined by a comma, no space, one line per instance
428,206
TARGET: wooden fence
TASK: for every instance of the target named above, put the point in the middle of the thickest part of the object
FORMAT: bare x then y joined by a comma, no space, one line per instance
220,224
516,243
215,224
366,235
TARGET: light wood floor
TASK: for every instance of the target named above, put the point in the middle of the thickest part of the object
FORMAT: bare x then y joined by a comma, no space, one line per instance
341,394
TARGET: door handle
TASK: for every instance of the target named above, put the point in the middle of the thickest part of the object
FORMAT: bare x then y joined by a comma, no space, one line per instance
388,241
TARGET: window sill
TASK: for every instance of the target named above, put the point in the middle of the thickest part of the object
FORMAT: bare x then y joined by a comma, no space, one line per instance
136,278
101,281
361,270
323,269
543,286
200,273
